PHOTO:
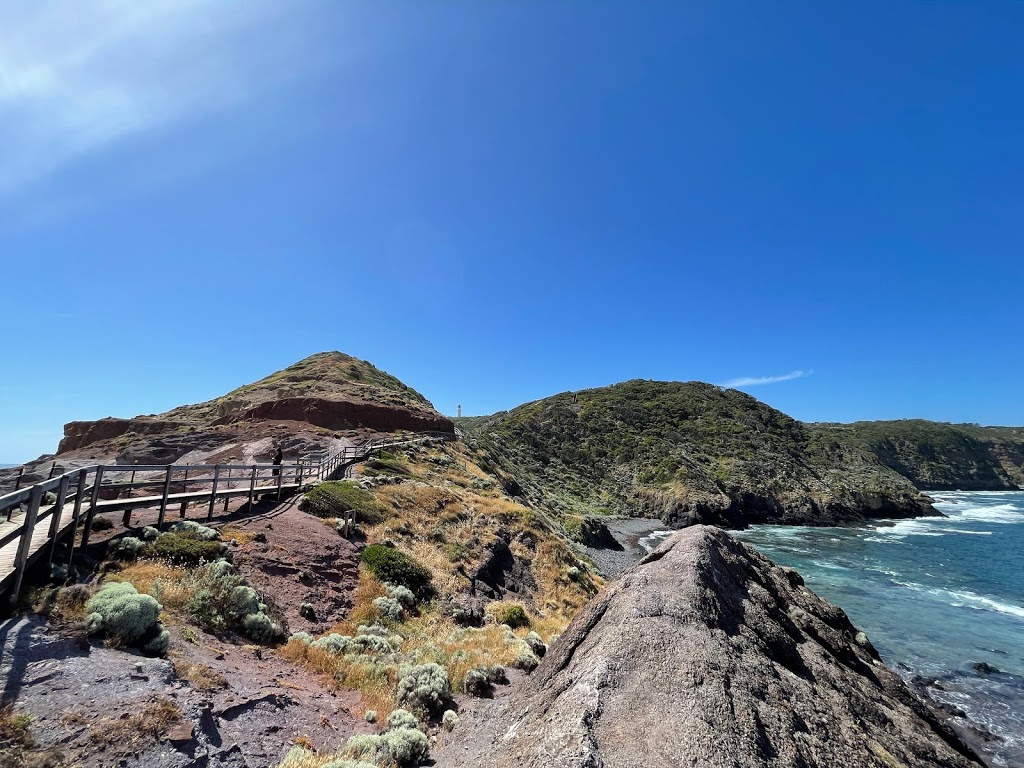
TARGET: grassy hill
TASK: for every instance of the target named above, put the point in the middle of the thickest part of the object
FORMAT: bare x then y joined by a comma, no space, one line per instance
329,375
937,456
685,452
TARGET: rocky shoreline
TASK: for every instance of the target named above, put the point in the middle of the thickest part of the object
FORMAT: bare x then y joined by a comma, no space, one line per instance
705,653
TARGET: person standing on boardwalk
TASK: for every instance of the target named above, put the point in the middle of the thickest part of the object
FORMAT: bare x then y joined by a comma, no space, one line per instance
278,458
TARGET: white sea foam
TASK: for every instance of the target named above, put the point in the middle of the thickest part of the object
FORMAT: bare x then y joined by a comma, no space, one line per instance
998,513
969,599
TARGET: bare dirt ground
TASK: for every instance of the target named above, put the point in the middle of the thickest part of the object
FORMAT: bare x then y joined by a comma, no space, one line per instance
246,706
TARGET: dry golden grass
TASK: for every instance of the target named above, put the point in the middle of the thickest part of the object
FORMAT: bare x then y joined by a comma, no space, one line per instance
242,535
459,649
14,728
172,587
199,676
301,757
135,731
363,610
375,681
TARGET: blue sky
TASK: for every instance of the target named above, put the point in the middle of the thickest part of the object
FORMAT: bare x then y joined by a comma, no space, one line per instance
497,201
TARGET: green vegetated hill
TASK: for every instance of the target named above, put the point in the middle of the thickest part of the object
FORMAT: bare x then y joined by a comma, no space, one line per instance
937,456
686,453
328,375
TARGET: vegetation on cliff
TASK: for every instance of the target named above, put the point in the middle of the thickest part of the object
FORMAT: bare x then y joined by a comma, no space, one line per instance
937,456
684,452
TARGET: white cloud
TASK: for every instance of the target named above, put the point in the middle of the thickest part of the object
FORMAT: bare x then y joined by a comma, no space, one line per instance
753,381
79,75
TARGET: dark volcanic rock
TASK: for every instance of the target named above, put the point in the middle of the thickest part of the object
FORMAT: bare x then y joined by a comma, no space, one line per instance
707,654
595,533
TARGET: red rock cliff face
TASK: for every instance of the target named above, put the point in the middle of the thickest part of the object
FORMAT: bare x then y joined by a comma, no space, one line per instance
78,434
343,414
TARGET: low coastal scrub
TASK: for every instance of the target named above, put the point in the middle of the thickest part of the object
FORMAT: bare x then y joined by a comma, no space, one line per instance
186,543
212,595
125,617
337,498
402,745
391,566
512,614
424,688
224,603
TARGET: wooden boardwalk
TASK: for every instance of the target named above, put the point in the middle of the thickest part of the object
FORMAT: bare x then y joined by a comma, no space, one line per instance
85,492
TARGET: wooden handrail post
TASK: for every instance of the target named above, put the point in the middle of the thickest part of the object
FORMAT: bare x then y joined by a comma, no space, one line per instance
92,506
56,515
213,491
17,480
25,542
252,487
163,500
83,476
184,490
53,468
280,480
226,497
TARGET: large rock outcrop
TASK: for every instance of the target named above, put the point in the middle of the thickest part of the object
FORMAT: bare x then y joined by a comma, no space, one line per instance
343,414
707,654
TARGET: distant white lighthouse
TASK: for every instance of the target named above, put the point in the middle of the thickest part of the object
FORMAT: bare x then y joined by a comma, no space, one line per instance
458,411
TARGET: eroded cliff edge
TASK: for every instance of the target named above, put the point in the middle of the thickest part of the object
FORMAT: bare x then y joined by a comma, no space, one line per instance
707,654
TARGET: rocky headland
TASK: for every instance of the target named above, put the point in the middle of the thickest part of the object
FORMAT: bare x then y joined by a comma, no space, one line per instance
707,654
289,639
686,453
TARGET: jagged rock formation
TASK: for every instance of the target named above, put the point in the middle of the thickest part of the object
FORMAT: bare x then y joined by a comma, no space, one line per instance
686,453
707,654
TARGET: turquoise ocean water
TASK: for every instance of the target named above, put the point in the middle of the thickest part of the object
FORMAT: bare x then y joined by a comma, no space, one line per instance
935,595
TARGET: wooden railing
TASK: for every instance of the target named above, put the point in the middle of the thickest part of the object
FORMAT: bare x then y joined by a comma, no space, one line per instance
31,523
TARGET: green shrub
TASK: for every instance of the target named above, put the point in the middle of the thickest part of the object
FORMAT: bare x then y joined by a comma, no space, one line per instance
194,530
400,747
342,645
370,716
102,523
514,615
536,643
226,603
403,595
182,549
149,533
389,609
125,548
307,611
126,617
449,719
401,718
526,660
481,680
393,567
334,499
424,688
302,637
